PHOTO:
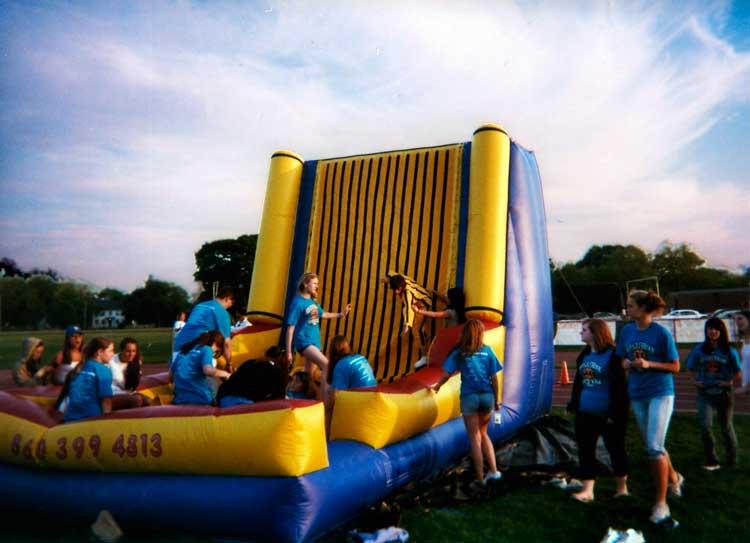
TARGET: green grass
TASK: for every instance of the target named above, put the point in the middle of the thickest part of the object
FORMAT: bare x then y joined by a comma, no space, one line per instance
714,506
155,343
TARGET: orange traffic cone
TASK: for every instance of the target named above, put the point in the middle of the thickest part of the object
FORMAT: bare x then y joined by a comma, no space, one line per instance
564,377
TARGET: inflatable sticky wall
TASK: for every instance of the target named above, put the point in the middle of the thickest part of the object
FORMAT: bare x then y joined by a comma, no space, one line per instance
469,215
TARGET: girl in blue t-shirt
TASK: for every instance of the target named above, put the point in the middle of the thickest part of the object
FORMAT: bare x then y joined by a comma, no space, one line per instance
649,352
194,366
600,401
716,366
303,326
479,393
89,388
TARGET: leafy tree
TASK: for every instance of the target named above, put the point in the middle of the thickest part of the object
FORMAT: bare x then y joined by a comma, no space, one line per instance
674,264
9,268
72,303
156,302
228,262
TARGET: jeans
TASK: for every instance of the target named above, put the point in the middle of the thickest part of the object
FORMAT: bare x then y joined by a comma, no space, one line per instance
723,404
653,416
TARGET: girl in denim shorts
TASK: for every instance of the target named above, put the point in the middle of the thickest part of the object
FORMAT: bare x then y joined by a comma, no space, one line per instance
479,393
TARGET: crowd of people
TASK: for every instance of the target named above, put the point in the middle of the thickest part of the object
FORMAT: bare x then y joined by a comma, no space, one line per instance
636,373
613,378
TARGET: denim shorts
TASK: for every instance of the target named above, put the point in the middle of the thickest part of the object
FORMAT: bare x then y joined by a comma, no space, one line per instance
653,416
478,402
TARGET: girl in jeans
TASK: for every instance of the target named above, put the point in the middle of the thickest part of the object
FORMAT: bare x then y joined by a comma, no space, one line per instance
479,393
715,364
649,352
600,400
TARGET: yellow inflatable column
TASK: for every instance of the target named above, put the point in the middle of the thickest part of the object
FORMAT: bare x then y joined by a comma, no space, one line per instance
272,255
484,273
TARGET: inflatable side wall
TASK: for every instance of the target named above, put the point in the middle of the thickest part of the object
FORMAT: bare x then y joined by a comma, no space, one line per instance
305,507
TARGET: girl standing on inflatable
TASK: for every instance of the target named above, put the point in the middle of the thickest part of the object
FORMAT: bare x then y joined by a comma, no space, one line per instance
742,320
479,393
90,383
648,350
716,365
600,401
303,325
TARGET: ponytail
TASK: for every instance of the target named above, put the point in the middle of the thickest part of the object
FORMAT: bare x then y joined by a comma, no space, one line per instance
650,301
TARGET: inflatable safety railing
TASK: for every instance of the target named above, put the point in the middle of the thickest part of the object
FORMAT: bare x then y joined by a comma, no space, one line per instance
469,215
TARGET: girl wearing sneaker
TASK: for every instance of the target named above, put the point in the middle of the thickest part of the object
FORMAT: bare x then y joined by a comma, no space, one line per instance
649,352
479,393
600,401
716,366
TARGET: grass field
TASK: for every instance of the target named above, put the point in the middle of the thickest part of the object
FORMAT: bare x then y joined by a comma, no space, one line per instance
155,343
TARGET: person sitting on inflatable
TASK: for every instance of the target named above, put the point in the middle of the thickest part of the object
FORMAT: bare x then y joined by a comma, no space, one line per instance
193,367
300,387
70,355
257,380
29,372
479,393
126,368
90,383
348,370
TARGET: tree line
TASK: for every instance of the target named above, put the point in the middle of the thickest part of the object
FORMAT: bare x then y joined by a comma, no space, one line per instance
43,298
599,281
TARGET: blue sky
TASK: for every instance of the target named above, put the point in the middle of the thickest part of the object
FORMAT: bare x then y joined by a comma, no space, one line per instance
131,133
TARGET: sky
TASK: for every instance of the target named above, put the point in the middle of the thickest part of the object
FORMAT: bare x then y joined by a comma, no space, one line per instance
133,132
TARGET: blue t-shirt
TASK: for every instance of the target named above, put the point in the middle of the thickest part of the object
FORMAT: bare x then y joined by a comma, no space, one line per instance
352,371
655,344
87,389
191,385
476,370
594,372
205,317
713,367
231,401
304,314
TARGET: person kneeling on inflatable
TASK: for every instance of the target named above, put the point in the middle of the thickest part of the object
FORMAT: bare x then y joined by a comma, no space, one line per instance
194,366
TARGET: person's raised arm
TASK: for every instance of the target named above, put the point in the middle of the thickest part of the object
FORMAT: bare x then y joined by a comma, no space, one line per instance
444,314
338,315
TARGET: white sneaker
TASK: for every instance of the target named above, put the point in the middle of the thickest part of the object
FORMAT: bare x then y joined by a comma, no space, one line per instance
421,362
495,476
659,513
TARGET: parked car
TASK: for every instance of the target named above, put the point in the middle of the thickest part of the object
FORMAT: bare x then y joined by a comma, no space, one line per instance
607,316
725,313
684,314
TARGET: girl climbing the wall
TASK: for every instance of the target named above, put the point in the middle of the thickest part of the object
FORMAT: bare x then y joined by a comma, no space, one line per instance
479,393
303,326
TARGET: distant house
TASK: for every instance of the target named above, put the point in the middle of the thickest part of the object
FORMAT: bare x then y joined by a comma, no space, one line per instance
111,317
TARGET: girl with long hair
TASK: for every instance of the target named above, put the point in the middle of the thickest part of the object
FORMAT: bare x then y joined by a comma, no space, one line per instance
126,367
70,355
194,365
649,352
600,401
455,304
479,393
303,325
89,385
715,365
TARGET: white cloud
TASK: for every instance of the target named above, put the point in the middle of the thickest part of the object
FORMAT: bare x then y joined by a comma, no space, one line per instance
168,118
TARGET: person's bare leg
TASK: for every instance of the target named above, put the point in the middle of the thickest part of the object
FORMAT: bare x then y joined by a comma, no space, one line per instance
587,492
475,442
488,449
622,486
660,474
